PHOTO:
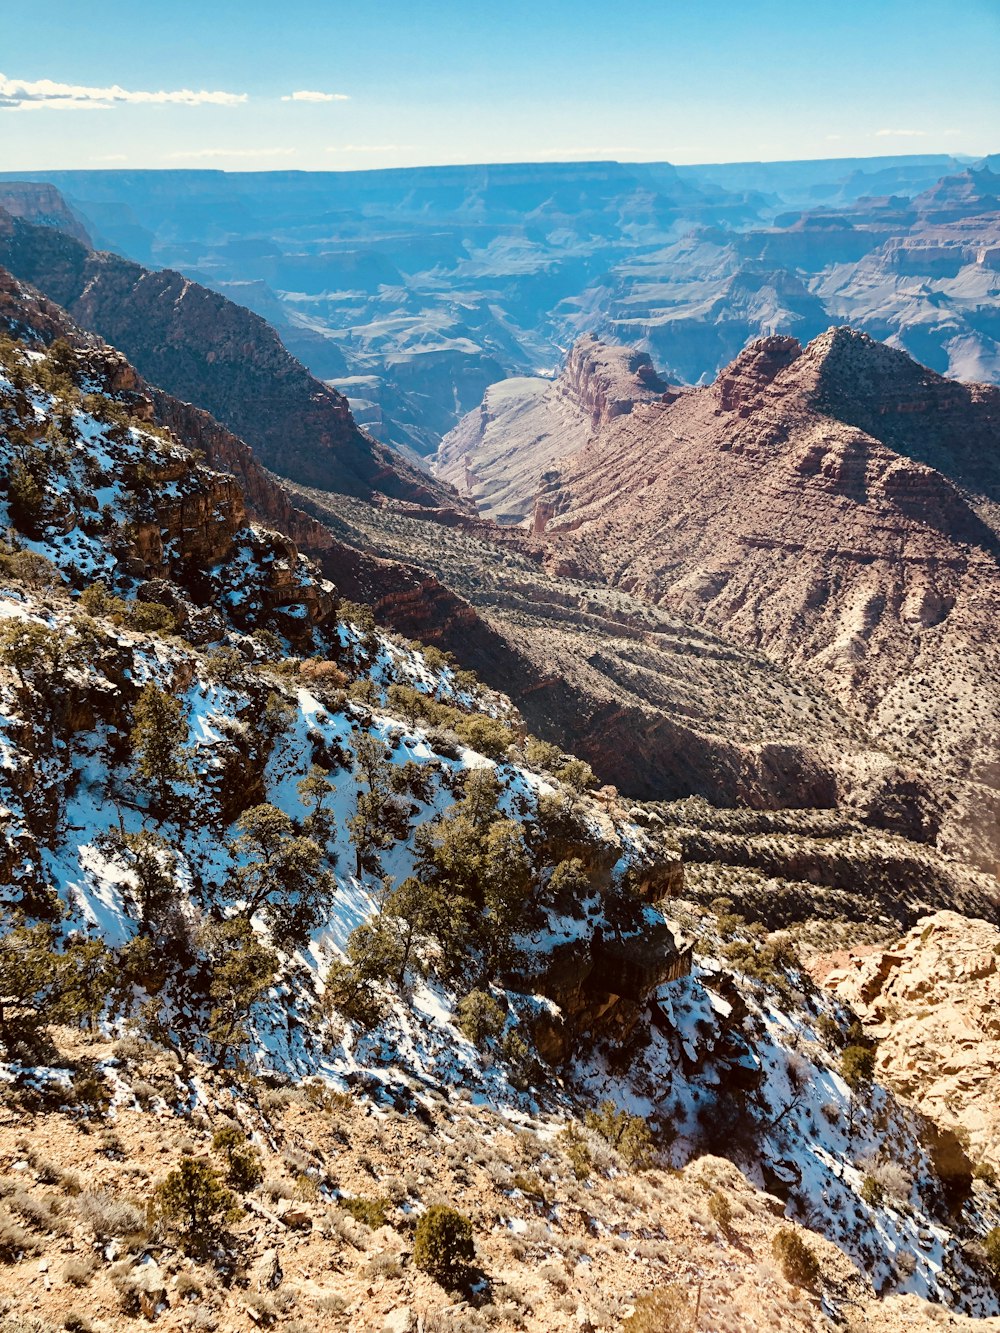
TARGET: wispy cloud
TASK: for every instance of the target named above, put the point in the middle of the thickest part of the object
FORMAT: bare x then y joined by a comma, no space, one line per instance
900,134
231,152
34,94
372,148
305,95
110,157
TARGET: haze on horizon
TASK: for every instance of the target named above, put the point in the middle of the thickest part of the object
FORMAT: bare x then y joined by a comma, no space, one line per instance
329,86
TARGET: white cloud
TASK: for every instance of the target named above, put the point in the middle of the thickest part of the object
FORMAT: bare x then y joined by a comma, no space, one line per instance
233,152
306,96
33,94
900,134
111,157
373,148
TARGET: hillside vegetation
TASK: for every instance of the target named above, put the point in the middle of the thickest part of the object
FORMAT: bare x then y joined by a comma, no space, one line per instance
332,998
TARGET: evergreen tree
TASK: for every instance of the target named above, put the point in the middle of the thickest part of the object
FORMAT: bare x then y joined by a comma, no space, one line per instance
194,1205
41,983
568,885
26,479
159,733
315,790
241,970
284,878
243,1168
378,820
443,1244
153,864
34,652
384,948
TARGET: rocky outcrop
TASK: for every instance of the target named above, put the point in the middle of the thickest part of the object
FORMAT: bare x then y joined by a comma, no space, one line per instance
501,454
932,1002
202,348
602,985
42,205
266,501
608,381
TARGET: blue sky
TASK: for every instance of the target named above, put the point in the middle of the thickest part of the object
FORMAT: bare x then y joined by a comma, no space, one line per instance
405,82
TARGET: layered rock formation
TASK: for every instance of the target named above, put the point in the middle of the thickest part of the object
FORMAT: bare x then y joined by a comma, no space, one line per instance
204,349
415,289
499,454
26,312
920,273
931,1002
659,706
834,507
43,205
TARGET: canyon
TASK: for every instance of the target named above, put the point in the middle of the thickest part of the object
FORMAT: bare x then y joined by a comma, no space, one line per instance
414,290
761,609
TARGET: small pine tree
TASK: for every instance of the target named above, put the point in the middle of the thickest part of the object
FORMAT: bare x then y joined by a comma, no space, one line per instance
991,1249
283,877
193,1205
376,823
242,970
575,1147
628,1134
578,774
159,733
857,1066
480,1017
486,735
442,1245
315,790
243,1169
153,864
542,754
798,1263
568,885
33,652
42,984
26,493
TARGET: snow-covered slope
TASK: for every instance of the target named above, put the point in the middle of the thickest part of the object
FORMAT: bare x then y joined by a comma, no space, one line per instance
443,904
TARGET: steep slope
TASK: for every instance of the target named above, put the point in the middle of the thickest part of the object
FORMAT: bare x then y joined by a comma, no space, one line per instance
659,706
652,682
206,350
763,508
294,950
27,314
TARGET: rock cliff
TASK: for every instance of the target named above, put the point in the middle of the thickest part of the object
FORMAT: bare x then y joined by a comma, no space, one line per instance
204,349
43,205
931,1003
500,454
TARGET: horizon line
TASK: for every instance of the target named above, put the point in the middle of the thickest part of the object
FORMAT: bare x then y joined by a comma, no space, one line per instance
968,159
